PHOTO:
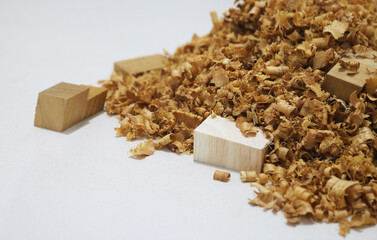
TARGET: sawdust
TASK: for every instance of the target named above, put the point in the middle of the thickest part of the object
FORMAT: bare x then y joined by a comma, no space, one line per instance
262,65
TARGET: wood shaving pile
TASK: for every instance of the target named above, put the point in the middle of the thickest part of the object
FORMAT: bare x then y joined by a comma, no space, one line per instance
262,65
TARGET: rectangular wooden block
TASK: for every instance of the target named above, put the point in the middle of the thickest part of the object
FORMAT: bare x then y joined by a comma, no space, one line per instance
65,104
217,141
341,84
139,65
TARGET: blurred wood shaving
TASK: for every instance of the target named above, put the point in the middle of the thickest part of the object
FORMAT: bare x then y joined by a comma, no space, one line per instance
337,29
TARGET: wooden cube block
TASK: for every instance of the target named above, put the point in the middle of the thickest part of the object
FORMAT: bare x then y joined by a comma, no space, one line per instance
217,141
65,104
341,84
139,65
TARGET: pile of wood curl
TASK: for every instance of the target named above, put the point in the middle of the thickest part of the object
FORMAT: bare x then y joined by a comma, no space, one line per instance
262,65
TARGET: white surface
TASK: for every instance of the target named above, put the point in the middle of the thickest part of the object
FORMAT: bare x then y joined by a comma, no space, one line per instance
82,184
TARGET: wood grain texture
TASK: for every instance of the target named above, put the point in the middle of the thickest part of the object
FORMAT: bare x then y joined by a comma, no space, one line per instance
65,104
139,65
337,82
217,141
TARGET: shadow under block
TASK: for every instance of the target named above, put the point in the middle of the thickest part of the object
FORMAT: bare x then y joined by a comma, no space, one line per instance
65,104
140,65
217,141
341,84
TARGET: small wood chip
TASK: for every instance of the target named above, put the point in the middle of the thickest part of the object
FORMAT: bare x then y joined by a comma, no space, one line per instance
248,176
221,176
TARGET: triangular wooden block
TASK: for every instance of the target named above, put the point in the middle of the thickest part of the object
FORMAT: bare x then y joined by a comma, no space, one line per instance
217,141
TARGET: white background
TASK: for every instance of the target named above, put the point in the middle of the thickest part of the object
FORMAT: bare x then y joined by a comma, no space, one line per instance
82,184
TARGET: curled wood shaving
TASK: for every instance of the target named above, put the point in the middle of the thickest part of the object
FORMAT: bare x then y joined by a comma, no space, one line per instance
164,141
363,219
272,70
221,176
337,190
248,129
189,119
352,66
248,176
284,107
144,149
322,42
324,59
220,77
337,29
363,51
262,65
371,86
262,178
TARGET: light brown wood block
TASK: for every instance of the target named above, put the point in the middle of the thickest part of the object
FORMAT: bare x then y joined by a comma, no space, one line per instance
341,84
96,100
65,104
217,141
139,65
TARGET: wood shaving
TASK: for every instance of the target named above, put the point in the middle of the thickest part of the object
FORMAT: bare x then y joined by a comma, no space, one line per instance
363,51
144,149
352,66
337,29
262,65
221,176
371,86
215,20
248,129
272,70
248,176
